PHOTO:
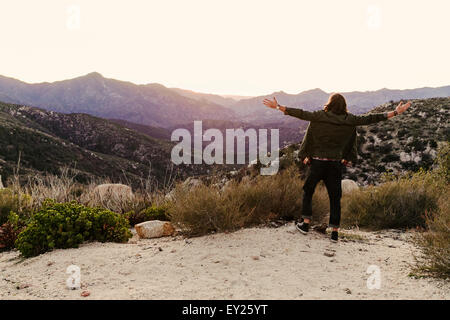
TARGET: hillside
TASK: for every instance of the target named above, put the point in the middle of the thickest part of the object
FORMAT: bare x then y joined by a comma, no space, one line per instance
95,147
150,104
406,142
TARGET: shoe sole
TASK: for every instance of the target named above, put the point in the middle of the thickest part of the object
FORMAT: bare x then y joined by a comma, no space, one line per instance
302,232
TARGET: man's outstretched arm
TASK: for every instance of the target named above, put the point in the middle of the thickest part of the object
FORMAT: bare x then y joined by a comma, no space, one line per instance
294,112
377,117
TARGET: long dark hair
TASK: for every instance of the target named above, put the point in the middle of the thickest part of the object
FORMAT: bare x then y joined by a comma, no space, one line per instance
336,104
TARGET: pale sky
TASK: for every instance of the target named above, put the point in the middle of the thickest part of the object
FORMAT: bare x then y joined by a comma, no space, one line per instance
242,47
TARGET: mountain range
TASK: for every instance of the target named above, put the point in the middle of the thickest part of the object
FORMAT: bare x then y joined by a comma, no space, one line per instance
150,104
158,106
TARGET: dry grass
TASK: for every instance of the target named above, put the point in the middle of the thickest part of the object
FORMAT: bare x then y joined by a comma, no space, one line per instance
64,188
204,209
396,204
435,241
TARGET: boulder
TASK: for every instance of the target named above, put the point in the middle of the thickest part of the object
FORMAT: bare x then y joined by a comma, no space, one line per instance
154,229
110,196
348,186
113,190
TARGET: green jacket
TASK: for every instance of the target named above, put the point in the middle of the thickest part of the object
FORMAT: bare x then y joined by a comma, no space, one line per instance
330,135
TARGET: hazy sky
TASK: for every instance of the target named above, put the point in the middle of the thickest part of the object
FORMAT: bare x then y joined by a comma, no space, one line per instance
246,47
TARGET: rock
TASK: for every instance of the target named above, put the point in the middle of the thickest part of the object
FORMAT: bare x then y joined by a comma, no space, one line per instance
348,291
192,182
170,196
85,293
328,254
154,229
111,195
348,186
226,186
255,257
1,184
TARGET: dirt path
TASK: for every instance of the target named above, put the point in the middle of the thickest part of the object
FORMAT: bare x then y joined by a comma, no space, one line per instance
256,263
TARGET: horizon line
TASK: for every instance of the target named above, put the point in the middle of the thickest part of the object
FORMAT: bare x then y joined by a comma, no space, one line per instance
224,95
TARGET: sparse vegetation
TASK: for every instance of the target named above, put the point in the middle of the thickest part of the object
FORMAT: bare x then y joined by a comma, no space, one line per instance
435,241
399,203
249,202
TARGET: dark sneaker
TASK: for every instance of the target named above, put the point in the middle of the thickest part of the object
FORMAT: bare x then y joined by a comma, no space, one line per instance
302,227
334,236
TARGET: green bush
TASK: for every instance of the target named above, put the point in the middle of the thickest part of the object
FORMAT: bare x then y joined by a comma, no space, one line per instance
66,225
147,214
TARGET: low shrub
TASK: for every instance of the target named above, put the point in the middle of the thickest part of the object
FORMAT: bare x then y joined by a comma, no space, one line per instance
147,214
66,225
398,203
10,230
435,241
203,209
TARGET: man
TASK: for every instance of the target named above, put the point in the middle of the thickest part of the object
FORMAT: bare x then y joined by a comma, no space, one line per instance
329,143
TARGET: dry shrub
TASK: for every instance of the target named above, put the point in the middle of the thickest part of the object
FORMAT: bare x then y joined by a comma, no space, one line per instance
435,242
400,203
8,235
64,188
204,208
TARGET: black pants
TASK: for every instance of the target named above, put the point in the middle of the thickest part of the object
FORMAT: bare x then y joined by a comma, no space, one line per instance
331,174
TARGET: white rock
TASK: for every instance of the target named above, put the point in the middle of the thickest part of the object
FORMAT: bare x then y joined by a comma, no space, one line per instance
405,157
192,182
348,186
111,196
154,229
1,184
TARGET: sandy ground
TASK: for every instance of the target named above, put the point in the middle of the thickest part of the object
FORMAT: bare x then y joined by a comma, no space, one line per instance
256,263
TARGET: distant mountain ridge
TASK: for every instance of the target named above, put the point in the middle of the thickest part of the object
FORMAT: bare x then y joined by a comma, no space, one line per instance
150,104
252,110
